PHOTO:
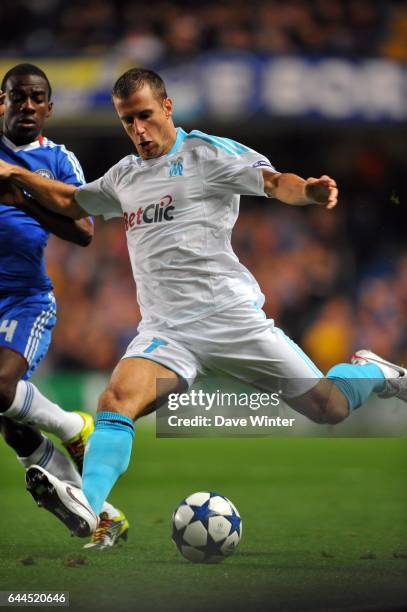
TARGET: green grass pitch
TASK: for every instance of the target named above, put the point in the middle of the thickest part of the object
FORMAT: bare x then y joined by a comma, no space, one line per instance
324,528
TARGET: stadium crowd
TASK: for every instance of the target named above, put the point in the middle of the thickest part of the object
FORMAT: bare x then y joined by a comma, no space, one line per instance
181,29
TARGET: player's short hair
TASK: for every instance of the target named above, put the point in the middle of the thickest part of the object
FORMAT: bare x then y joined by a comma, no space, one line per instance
135,79
26,69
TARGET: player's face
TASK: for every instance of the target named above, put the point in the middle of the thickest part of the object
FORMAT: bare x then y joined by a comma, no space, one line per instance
26,107
147,121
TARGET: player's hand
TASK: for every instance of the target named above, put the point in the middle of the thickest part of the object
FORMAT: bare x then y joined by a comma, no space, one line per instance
322,191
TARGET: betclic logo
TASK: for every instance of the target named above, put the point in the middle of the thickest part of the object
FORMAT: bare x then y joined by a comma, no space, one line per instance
153,213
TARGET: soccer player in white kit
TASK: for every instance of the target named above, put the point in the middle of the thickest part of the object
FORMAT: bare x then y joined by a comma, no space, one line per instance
201,309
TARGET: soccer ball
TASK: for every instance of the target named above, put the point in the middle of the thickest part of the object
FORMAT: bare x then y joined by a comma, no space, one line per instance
206,527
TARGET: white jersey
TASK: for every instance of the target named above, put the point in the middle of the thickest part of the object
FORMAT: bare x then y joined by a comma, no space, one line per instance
179,211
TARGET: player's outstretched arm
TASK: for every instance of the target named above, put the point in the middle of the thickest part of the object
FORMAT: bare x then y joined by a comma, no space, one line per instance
294,190
53,195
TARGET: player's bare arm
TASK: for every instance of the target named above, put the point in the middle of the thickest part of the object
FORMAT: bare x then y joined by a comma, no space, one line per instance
294,190
78,231
55,196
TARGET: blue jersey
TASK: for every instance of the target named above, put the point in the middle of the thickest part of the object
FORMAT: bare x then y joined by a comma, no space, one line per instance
22,238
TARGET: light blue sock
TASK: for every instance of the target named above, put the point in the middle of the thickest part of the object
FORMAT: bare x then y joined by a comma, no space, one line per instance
357,382
107,456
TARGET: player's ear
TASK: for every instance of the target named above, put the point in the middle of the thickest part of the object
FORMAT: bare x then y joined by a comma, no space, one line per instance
50,107
167,104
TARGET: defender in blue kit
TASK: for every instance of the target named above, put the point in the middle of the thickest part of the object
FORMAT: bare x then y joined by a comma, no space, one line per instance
27,305
27,302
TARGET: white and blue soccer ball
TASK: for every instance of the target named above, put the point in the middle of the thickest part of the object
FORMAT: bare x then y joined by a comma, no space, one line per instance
206,527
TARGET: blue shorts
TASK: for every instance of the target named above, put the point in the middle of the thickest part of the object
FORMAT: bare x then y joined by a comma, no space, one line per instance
26,324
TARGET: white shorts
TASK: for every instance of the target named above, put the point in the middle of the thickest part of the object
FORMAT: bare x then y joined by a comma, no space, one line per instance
239,342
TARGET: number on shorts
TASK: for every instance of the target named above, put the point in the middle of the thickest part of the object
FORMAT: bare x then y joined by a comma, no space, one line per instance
156,342
8,327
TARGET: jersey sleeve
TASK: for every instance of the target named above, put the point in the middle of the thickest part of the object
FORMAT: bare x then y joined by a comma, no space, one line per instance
69,168
99,198
230,167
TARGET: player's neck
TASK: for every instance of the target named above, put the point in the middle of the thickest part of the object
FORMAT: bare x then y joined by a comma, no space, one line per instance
19,141
171,141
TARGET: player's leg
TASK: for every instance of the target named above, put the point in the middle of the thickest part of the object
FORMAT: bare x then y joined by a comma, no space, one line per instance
35,449
13,367
348,385
131,393
328,399
243,343
32,447
345,387
53,481
25,440
139,383
327,403
21,401
39,456
26,325
25,333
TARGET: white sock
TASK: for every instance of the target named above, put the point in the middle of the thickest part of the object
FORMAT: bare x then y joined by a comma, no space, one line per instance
33,408
55,462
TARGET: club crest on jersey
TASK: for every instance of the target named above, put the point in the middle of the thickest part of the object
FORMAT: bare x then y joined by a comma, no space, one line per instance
45,173
177,167
153,213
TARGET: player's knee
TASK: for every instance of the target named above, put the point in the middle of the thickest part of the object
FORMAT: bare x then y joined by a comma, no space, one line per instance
118,394
334,416
109,400
323,405
327,413
114,399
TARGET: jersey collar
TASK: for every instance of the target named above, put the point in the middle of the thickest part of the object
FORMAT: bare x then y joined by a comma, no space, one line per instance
181,135
27,147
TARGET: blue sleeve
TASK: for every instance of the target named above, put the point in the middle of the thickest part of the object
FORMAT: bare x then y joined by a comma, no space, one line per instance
69,168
